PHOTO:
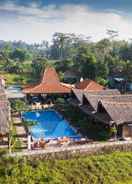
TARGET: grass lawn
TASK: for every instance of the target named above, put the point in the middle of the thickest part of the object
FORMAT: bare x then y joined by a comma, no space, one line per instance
114,168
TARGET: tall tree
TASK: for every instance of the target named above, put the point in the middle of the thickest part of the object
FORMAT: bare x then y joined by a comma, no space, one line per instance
86,63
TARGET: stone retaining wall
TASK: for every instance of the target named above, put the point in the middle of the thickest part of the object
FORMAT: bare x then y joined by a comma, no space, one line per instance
75,151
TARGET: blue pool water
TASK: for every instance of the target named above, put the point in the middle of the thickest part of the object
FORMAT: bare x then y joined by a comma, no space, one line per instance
50,125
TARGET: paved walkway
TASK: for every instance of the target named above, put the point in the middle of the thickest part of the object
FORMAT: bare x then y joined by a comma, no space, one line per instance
74,149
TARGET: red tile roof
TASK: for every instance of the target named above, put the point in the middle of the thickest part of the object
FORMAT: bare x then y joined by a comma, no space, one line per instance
50,84
88,85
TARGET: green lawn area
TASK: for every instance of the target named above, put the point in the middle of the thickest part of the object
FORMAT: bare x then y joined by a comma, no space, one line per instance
114,168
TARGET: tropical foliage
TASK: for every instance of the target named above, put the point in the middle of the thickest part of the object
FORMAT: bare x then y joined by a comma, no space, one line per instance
112,168
19,106
68,52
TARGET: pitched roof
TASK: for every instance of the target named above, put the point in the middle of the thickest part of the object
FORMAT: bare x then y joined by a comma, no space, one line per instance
79,94
50,76
89,85
119,112
94,97
49,84
103,92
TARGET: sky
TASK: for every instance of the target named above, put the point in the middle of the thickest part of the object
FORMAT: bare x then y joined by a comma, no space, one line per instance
37,20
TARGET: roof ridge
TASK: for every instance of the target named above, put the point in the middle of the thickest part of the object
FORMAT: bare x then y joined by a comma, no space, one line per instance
113,102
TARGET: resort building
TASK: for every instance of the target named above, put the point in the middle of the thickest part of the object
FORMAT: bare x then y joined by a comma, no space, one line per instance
78,95
108,107
50,84
103,105
88,85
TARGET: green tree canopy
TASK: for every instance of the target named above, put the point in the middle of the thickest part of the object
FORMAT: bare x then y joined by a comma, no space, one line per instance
20,54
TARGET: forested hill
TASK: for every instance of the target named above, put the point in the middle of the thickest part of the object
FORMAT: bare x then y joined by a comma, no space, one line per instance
68,52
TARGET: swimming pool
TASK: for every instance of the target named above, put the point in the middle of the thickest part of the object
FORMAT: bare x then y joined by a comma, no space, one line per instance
50,125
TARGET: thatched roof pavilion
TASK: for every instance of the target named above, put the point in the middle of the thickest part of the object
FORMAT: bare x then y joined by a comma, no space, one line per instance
103,92
119,111
79,94
50,84
108,106
92,99
109,109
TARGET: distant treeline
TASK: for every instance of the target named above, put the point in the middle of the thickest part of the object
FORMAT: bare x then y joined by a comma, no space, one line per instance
70,52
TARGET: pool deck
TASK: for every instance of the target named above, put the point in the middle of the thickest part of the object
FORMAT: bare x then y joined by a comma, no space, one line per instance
66,148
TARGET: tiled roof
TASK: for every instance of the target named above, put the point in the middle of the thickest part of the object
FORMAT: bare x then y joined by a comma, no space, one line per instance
88,85
50,84
50,76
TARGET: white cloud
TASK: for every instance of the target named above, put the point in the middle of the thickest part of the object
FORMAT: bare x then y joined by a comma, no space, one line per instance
34,24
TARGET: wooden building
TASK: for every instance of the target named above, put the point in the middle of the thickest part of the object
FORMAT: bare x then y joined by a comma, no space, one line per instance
50,84
79,95
108,107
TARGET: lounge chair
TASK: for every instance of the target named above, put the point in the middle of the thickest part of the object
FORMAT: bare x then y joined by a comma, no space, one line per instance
46,106
83,141
63,141
51,104
35,145
42,143
37,105
33,106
